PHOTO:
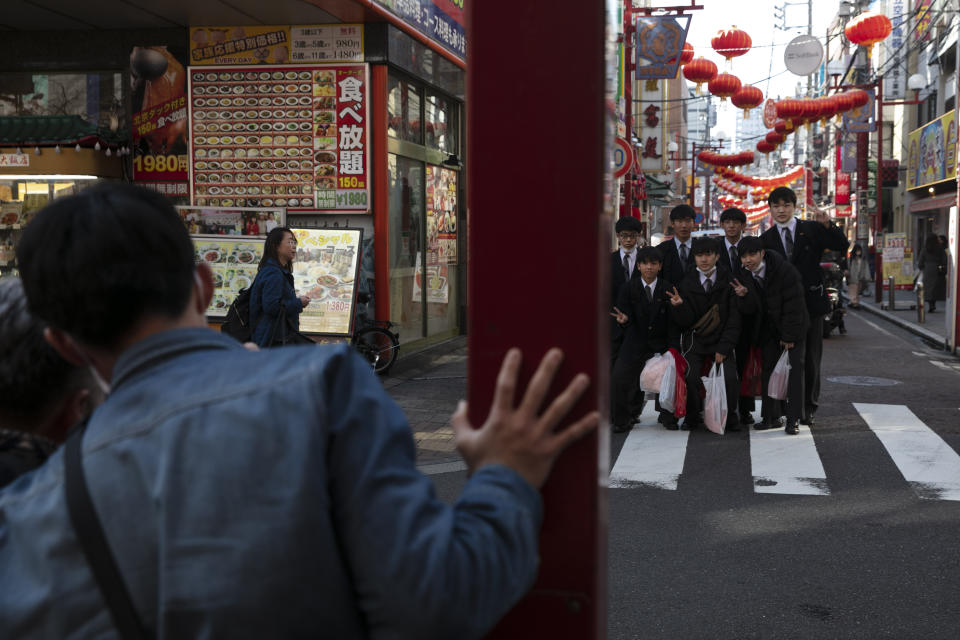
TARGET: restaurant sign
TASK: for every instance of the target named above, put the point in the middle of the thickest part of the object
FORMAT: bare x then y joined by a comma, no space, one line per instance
442,21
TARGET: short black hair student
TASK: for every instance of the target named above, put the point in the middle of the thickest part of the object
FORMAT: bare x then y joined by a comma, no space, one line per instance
733,221
702,289
772,292
643,312
623,264
677,255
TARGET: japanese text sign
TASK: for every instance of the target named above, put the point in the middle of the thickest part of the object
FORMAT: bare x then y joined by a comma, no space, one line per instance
659,45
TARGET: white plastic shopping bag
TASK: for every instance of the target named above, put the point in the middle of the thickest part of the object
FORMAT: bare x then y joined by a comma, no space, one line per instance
780,377
652,374
668,384
715,404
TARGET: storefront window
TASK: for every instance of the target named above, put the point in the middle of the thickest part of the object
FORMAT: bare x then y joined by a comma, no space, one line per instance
403,111
407,215
440,131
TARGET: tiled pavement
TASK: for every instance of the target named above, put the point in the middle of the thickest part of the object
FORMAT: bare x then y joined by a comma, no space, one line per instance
427,385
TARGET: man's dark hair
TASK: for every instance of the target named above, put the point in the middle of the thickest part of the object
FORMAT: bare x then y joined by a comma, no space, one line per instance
782,194
683,211
628,223
733,214
271,245
749,244
95,263
34,379
704,245
649,254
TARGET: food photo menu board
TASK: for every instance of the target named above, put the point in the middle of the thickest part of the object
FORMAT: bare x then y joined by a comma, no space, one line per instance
234,265
286,136
326,268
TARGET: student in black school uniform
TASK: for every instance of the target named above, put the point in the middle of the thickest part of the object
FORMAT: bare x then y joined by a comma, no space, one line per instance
623,265
677,255
734,221
771,291
802,243
712,340
643,312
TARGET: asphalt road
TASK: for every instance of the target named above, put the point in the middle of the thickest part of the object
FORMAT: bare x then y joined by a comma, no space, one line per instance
729,547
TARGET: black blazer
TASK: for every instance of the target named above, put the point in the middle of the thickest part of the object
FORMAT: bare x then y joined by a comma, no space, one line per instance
649,328
617,276
672,268
696,302
724,261
779,309
810,241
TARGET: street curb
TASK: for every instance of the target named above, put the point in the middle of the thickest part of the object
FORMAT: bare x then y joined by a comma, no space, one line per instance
926,334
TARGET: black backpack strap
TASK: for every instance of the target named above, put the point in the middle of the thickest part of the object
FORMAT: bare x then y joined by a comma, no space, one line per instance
94,543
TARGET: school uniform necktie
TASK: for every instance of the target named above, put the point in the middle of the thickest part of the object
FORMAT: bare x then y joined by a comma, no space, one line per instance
759,280
708,284
734,258
683,256
788,243
649,289
626,266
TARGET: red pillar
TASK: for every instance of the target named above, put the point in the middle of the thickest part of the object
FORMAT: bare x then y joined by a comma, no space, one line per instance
538,237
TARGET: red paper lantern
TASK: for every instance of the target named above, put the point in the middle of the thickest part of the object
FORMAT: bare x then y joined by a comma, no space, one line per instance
860,99
700,70
775,138
687,54
724,85
790,109
765,147
828,107
731,43
783,127
844,101
810,110
746,157
867,29
747,98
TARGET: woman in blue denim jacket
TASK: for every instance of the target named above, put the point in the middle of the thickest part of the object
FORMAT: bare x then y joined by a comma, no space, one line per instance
273,292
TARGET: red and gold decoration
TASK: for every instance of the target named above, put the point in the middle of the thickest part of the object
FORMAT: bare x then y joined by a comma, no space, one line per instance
867,29
790,110
687,54
726,159
724,86
699,71
784,127
775,138
731,42
747,98
765,147
860,99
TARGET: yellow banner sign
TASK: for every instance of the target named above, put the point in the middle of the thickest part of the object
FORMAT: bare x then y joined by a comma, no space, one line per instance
932,152
240,45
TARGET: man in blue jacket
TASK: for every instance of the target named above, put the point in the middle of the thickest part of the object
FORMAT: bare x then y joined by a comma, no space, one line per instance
268,494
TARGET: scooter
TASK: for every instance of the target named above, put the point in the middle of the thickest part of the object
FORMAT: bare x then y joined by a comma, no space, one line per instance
833,319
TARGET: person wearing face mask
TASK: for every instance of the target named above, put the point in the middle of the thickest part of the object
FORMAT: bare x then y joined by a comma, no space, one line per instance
802,243
274,305
770,291
41,394
703,306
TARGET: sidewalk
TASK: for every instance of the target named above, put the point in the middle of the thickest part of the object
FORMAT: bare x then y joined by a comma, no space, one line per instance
904,315
427,385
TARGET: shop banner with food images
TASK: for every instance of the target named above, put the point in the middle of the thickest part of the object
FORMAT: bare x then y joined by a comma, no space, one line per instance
326,271
443,21
159,123
932,152
441,215
292,136
250,221
234,264
277,44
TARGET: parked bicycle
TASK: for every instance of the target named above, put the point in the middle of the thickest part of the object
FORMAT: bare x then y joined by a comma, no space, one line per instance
376,342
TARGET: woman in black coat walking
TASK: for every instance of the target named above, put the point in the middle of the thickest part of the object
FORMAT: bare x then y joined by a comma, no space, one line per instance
933,265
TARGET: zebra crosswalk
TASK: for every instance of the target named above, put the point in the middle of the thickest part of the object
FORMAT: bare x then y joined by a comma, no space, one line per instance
780,464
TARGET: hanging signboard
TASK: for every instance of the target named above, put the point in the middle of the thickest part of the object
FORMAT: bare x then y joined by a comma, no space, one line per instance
932,152
803,55
659,45
861,120
895,64
326,272
159,121
652,127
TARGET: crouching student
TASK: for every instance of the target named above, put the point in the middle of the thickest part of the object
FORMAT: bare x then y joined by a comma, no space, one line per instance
642,312
704,307
773,293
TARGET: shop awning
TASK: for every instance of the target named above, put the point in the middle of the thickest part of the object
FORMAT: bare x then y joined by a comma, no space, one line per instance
50,130
939,202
